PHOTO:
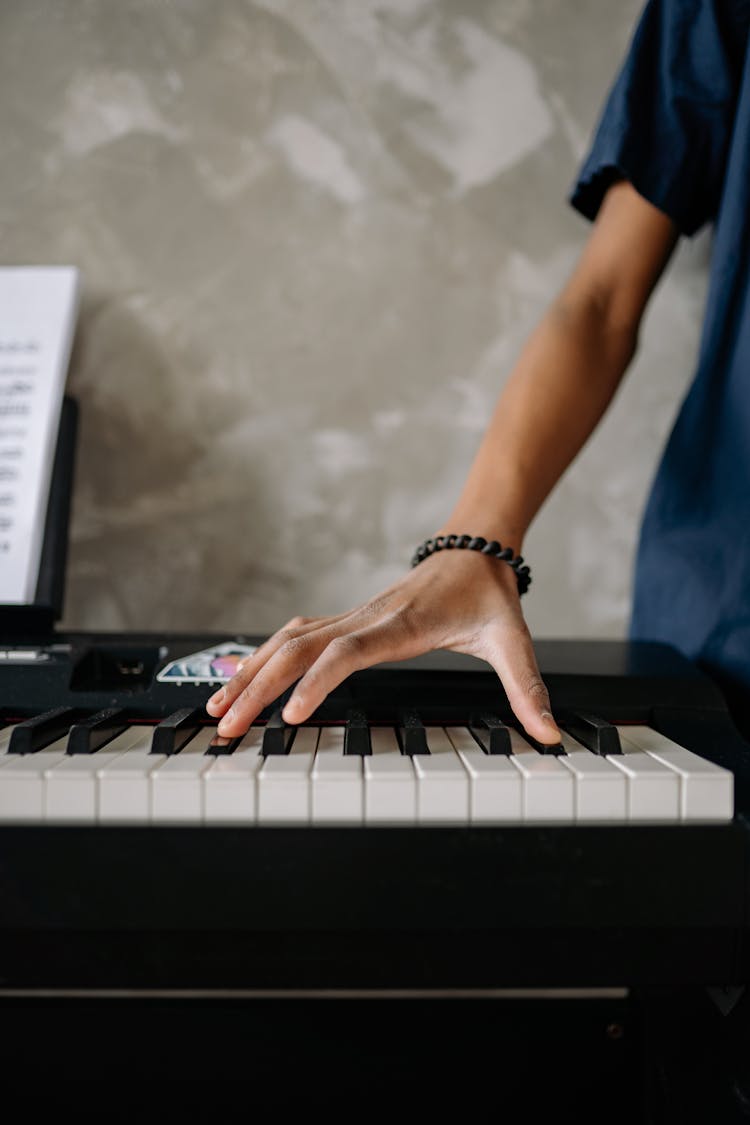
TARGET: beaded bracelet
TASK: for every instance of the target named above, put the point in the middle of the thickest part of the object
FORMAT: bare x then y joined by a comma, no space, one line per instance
475,543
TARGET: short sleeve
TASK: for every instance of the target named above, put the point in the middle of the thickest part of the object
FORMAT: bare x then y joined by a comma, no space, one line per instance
667,122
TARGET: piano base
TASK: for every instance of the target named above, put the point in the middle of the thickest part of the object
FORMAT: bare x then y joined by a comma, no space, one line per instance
657,1057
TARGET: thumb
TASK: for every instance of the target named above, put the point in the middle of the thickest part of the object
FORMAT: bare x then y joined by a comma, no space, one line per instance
511,654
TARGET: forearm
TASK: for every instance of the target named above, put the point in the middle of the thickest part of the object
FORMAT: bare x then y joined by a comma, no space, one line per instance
559,389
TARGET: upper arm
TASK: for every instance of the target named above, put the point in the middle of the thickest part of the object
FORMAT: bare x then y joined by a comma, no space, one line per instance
625,255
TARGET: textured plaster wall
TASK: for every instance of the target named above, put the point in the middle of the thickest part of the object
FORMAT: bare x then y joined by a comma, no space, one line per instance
314,235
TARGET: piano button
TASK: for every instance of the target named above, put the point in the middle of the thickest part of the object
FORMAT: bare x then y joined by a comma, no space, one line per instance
35,734
596,734
706,790
495,785
230,783
284,781
277,735
88,735
337,780
442,781
653,789
411,734
548,791
23,782
172,733
357,736
124,783
492,735
390,781
601,791
71,785
176,784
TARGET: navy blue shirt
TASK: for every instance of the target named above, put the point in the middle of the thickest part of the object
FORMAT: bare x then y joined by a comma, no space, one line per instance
676,125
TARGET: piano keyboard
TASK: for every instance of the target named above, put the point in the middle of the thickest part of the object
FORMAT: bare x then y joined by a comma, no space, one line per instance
55,769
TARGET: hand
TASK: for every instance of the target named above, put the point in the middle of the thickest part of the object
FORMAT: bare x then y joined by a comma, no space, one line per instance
458,600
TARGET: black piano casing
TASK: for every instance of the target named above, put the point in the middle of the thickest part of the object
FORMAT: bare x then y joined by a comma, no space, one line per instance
384,907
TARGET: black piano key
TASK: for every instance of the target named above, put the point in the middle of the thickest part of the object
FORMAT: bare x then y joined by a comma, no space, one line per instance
221,745
597,734
277,736
173,732
357,734
88,735
411,734
34,734
542,747
492,735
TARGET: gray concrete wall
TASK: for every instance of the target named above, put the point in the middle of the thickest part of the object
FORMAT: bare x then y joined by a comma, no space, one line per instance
313,236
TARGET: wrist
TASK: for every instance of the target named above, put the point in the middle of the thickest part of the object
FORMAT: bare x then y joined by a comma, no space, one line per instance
506,532
465,542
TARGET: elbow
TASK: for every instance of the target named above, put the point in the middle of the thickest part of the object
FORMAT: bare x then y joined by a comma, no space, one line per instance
610,316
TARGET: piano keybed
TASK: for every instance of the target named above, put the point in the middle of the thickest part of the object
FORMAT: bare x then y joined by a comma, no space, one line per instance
56,769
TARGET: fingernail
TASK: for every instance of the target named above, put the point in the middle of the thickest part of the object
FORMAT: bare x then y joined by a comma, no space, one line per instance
549,720
218,696
226,722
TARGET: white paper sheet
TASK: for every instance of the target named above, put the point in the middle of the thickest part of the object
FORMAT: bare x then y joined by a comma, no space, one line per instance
38,309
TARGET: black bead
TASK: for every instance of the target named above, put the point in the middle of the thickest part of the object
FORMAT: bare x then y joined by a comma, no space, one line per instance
493,549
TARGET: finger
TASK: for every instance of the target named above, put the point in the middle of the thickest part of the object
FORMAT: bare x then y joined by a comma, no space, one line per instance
285,666
347,653
222,700
511,654
297,627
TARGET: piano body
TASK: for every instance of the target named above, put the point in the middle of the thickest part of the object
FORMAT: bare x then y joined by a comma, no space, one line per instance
606,886
404,907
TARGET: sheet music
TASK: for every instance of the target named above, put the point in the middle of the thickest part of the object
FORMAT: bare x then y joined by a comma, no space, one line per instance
38,308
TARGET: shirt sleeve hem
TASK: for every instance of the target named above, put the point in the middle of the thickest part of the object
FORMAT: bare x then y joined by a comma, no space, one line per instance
588,194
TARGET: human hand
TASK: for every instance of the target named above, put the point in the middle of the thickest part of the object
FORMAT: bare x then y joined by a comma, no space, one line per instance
457,600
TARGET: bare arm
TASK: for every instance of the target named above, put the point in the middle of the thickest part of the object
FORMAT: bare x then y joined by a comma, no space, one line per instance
569,370
561,385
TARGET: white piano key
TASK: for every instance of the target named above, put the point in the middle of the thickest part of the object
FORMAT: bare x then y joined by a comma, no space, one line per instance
177,785
71,785
22,782
653,789
230,783
601,790
706,790
390,781
442,781
284,784
495,785
125,783
5,734
548,789
337,780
